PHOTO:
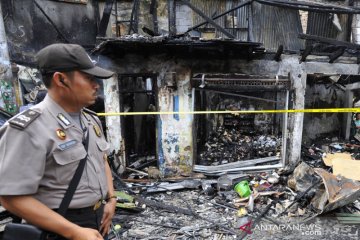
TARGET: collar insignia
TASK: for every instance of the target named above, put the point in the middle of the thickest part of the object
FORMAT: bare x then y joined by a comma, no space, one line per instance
63,119
97,131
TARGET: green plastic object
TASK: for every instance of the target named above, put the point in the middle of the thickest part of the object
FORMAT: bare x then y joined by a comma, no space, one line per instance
243,189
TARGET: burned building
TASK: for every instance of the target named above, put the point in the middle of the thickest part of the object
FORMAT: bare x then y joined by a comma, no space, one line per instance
209,57
181,65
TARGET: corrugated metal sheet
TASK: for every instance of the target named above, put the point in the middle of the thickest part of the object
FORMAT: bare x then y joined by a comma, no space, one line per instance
272,26
240,18
214,7
321,24
275,26
210,8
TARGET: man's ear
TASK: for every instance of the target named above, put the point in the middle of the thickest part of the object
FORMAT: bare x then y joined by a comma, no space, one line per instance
59,78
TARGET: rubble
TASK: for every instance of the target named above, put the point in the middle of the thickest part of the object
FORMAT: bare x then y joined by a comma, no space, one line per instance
227,146
233,168
210,208
335,191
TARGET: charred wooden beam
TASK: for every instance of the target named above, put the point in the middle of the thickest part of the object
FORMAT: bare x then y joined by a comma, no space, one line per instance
153,12
117,30
161,205
349,22
335,55
105,18
300,195
217,26
172,17
278,53
220,15
134,17
306,53
149,31
330,41
311,7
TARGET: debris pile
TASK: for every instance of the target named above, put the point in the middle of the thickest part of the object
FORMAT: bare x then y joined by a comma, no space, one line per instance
223,212
219,205
226,146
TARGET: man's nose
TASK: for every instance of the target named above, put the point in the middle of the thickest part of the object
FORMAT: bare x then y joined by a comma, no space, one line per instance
96,85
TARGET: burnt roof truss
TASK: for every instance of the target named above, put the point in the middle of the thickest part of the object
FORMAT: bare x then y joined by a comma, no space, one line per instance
134,17
311,7
220,15
105,18
338,47
208,19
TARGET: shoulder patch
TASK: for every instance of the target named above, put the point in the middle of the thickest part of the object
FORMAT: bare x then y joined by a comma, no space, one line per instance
24,119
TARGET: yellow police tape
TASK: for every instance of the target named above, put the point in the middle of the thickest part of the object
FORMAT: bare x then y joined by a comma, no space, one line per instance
324,110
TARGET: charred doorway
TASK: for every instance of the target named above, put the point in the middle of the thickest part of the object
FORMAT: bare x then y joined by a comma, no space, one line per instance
138,94
226,138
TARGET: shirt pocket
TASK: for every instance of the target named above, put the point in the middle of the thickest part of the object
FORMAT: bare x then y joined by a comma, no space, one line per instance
102,145
99,180
102,150
67,161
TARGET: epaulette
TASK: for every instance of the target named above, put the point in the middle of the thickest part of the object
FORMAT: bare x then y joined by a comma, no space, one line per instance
94,116
89,111
24,119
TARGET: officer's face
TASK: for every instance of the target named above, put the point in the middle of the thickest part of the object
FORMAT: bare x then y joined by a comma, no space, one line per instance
84,88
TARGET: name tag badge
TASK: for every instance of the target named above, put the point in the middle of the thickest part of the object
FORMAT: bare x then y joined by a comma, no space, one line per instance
67,145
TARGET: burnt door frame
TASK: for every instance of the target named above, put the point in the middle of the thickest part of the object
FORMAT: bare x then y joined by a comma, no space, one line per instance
122,93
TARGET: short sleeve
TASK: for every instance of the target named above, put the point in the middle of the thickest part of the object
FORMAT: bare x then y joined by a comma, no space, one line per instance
22,162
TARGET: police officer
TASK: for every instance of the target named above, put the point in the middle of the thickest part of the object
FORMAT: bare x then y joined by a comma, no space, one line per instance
42,147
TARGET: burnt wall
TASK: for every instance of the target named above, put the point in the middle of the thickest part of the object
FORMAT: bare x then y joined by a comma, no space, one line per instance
163,65
176,132
322,95
32,25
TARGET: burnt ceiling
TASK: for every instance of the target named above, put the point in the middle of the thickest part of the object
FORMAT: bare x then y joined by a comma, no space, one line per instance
182,48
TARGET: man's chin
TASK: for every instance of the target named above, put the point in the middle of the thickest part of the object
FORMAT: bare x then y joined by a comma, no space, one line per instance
90,103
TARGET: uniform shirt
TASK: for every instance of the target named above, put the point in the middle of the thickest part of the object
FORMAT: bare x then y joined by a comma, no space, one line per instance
38,161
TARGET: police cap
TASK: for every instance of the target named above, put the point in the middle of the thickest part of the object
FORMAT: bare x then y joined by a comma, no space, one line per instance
60,57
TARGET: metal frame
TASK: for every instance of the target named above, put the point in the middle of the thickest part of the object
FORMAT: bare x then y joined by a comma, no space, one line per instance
284,135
